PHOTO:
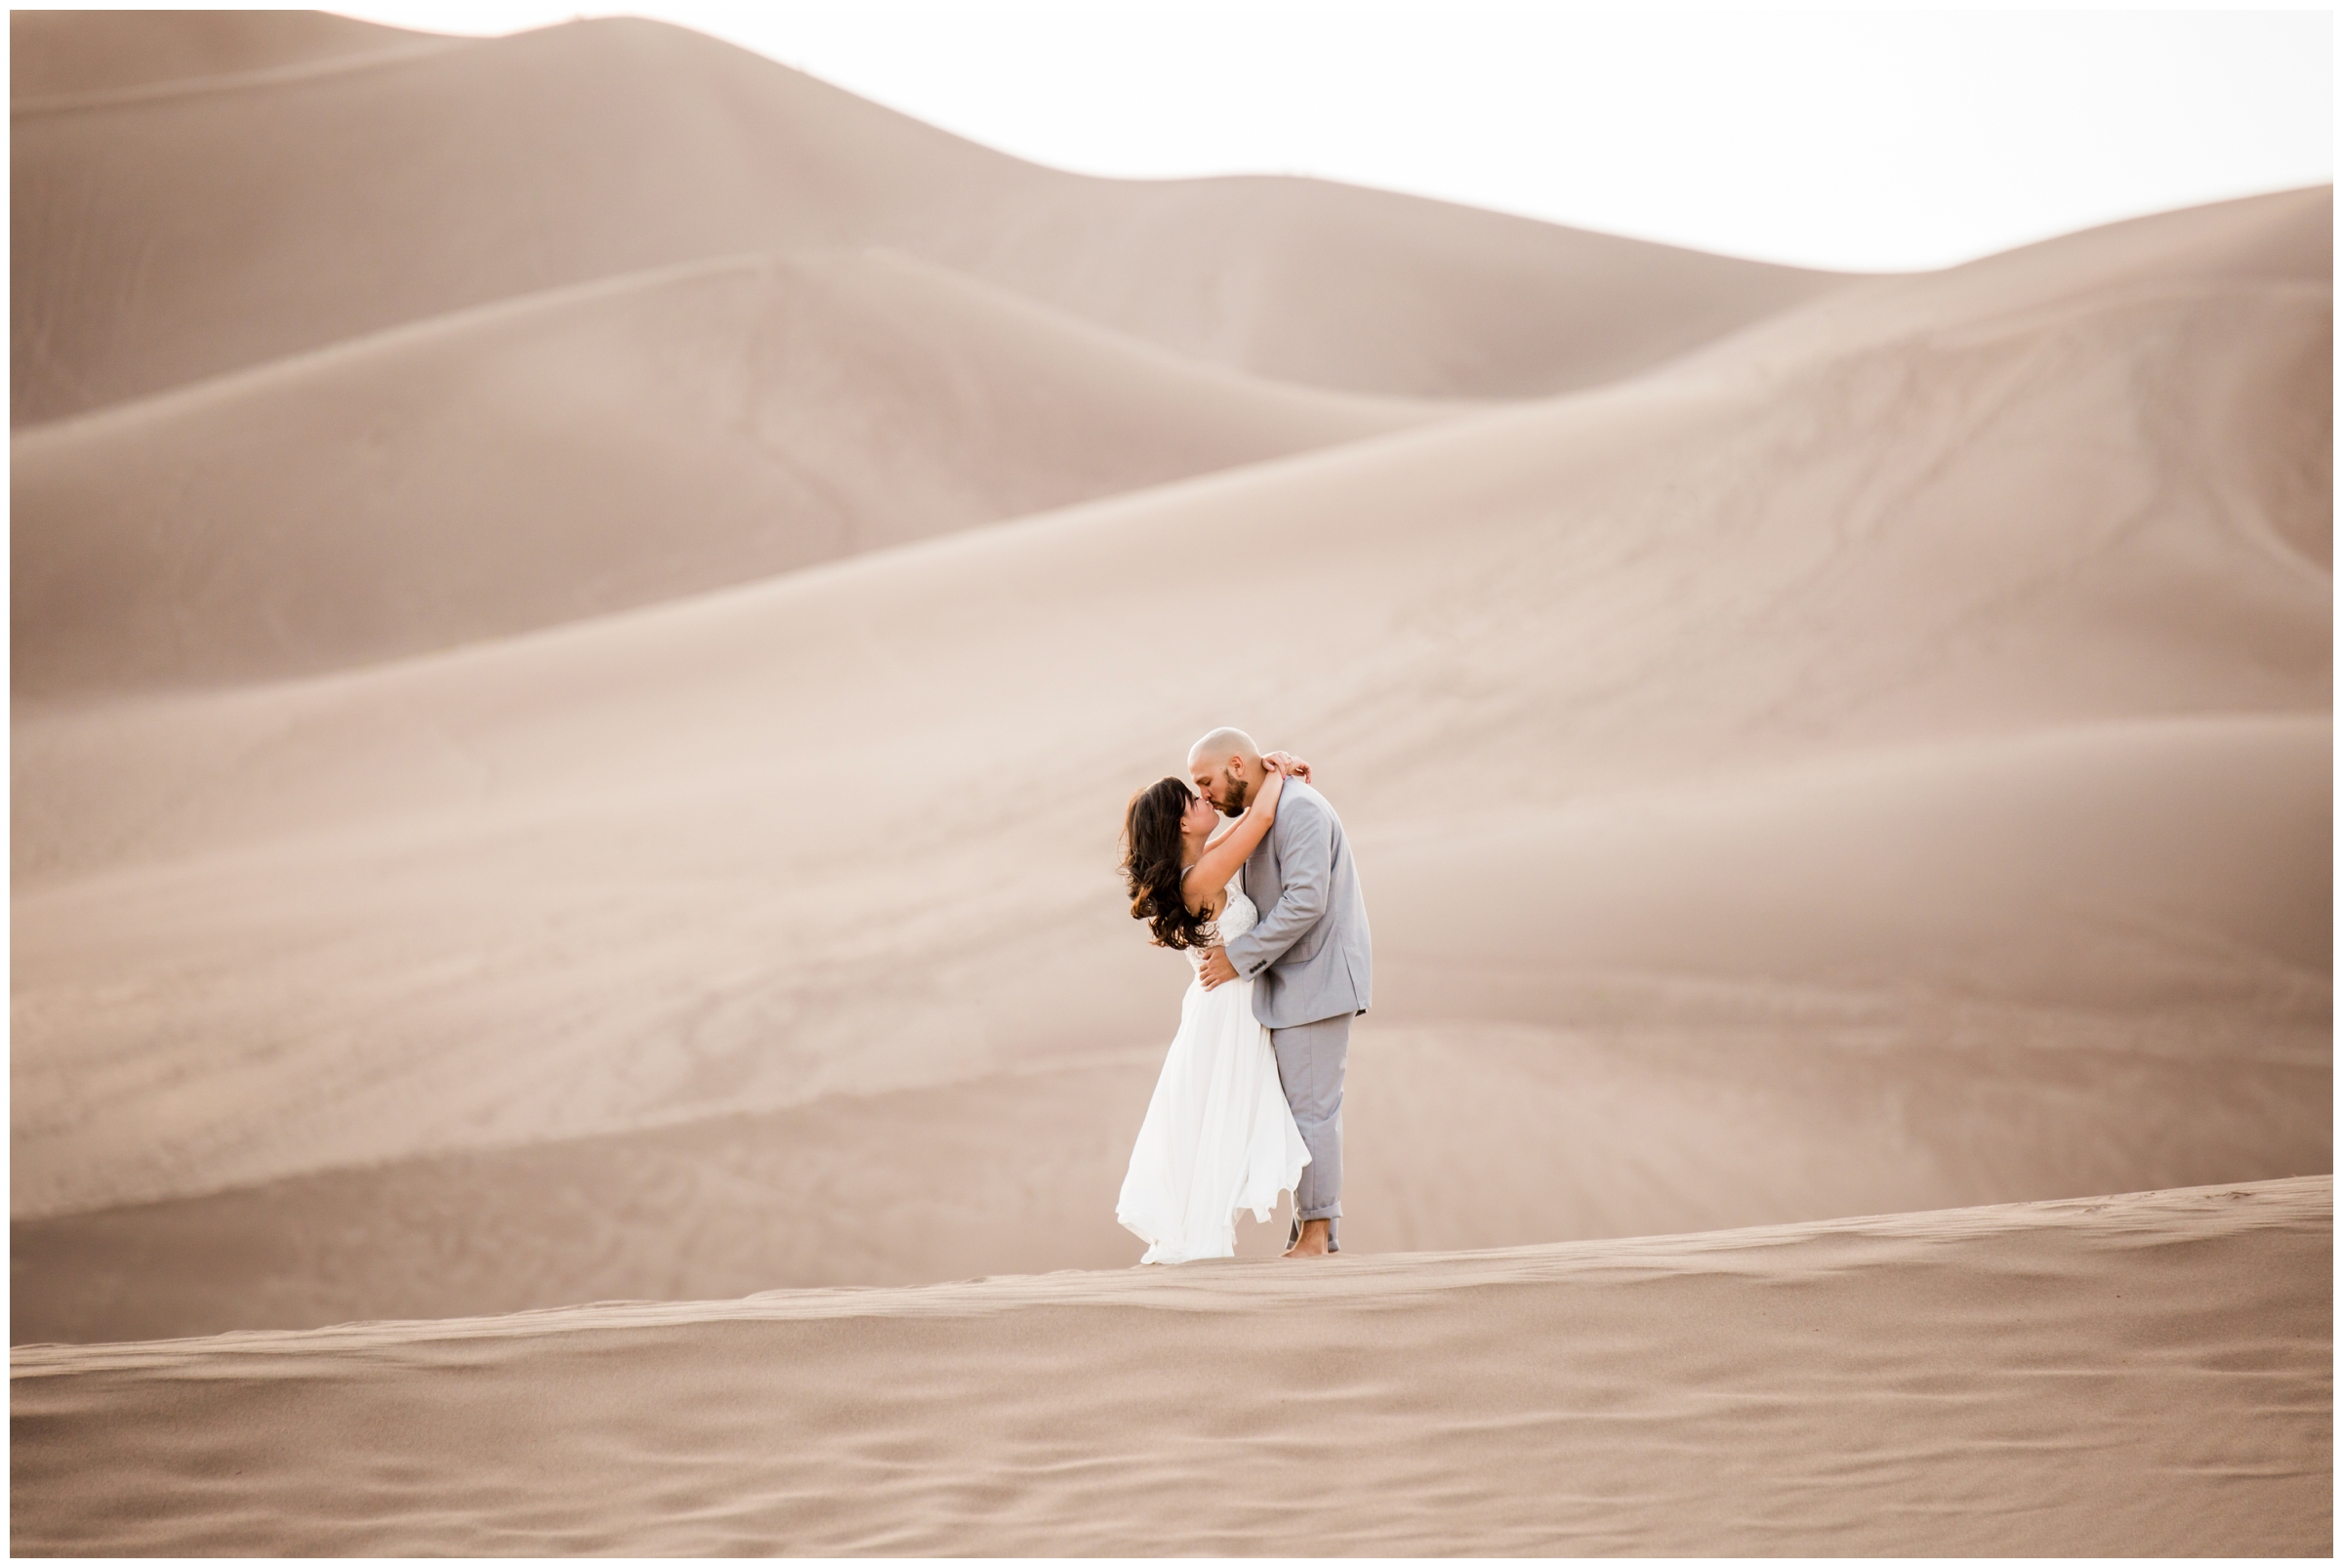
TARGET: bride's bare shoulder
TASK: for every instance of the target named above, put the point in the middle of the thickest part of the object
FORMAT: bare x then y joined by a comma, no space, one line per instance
1207,901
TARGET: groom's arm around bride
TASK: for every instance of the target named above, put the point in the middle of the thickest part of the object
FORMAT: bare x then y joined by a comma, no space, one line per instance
1299,873
1306,864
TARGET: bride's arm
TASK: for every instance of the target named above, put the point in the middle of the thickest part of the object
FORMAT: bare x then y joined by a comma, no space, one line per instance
1226,853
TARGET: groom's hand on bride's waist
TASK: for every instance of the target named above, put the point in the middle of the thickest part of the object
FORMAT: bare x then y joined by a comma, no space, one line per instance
1217,968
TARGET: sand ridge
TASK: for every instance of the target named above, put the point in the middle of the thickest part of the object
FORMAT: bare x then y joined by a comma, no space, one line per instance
569,454
235,227
1805,1249
61,56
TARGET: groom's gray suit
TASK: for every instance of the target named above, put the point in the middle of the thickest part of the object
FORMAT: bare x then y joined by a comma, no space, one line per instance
1312,966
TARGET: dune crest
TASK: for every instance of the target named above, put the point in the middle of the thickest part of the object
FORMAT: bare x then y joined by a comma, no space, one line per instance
171,238
586,451
79,54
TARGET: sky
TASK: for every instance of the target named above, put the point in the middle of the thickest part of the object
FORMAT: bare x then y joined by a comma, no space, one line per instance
1876,139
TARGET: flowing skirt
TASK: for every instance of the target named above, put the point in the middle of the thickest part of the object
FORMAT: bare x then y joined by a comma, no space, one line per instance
1220,1136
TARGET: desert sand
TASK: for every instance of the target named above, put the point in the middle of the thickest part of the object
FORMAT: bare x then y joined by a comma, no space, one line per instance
2134,1374
585,608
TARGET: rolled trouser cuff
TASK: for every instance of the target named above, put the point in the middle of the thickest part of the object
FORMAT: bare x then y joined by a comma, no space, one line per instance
1333,1230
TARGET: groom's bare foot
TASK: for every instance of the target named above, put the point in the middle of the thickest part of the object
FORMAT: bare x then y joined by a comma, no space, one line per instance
1313,1240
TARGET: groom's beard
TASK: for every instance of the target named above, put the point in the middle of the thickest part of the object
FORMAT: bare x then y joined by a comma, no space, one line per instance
1236,789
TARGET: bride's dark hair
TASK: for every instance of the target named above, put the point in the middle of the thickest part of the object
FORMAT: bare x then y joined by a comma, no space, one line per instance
1151,865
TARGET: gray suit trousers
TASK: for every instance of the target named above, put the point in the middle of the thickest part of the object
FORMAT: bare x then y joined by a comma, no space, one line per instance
1310,1059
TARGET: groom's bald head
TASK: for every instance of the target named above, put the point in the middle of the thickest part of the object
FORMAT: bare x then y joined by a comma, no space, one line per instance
1221,745
1226,767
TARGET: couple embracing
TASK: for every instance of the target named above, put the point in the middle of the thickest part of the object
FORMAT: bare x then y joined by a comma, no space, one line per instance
1250,1101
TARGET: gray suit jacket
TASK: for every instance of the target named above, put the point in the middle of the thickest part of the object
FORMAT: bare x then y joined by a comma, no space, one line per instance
1311,955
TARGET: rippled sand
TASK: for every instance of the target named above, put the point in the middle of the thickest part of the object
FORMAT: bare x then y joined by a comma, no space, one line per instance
2130,1375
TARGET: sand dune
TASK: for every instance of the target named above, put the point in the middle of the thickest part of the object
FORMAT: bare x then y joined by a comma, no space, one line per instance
182,234
2010,872
1662,1102
2248,246
585,609
1908,636
2140,1375
77,53
1990,524
1900,982
588,451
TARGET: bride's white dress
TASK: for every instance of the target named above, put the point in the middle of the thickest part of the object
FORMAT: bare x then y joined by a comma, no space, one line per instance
1219,1135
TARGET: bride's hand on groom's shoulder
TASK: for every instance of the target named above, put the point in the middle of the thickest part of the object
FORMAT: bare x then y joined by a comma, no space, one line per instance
1287,763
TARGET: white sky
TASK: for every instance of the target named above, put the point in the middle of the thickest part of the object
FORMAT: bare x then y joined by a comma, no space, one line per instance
1874,139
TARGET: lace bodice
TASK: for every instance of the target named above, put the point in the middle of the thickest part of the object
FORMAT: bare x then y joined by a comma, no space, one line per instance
1235,920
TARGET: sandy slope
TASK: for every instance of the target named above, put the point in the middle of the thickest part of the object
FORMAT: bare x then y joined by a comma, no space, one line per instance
590,449
2140,1375
1659,1104
179,234
77,53
1993,521
529,785
1918,980
1878,764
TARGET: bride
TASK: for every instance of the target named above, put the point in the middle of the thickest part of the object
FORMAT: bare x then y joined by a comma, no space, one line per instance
1218,1136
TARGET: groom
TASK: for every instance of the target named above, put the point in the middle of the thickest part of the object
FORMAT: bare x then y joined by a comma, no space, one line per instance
1309,958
